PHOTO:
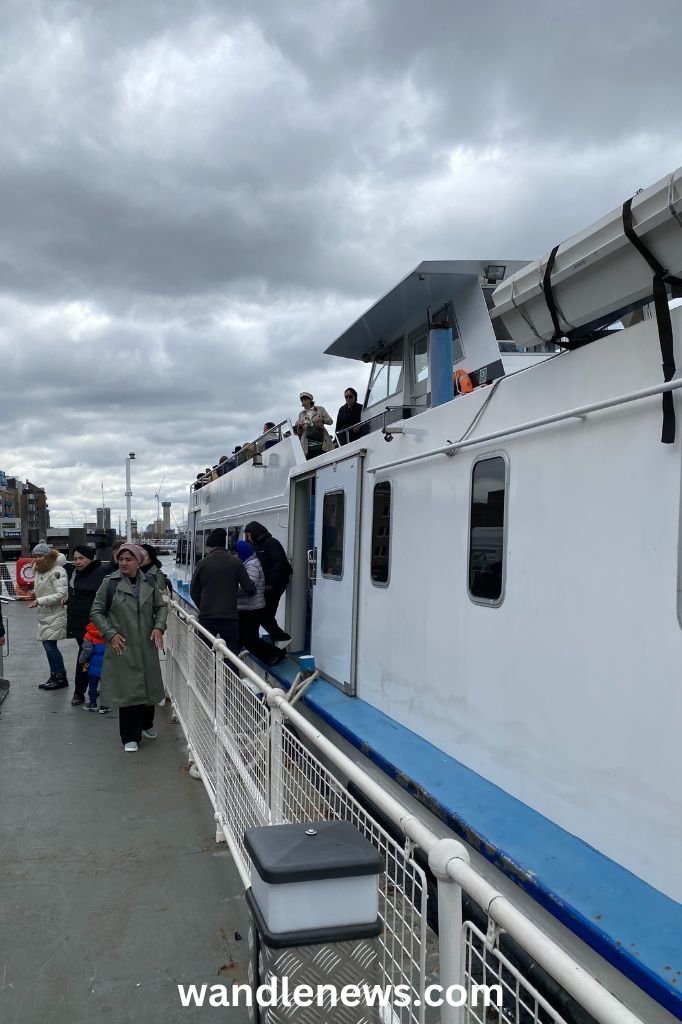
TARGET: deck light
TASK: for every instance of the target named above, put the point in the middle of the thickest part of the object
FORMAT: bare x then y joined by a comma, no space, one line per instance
258,460
494,273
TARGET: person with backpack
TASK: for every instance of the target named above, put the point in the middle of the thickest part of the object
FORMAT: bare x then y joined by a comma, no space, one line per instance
250,608
130,613
277,570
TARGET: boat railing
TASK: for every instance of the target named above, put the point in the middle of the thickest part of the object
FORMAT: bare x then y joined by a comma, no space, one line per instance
263,762
390,414
245,453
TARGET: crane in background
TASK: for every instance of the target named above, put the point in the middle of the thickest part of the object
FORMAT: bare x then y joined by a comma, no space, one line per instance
157,495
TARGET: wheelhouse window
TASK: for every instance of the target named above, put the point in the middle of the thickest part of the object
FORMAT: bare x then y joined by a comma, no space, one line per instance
386,375
487,530
381,534
420,360
333,515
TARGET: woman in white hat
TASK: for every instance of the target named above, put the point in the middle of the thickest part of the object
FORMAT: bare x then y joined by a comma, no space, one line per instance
310,427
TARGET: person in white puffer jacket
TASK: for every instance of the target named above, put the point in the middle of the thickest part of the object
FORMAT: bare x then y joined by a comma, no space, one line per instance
50,587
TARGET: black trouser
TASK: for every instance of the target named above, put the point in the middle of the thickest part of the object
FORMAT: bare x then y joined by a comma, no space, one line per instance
226,629
267,615
133,719
80,677
249,621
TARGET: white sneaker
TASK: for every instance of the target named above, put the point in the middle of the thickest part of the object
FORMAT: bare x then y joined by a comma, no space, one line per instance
130,748
283,644
151,734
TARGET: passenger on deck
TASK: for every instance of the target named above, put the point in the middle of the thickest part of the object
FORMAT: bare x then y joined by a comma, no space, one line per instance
214,588
269,438
199,482
88,573
49,589
348,417
131,614
251,608
310,427
277,569
222,465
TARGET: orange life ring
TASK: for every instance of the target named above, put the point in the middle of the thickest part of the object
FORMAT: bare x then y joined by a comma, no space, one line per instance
462,383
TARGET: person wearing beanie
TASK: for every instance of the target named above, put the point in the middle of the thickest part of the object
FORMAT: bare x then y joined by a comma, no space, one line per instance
49,590
131,615
88,573
217,580
250,608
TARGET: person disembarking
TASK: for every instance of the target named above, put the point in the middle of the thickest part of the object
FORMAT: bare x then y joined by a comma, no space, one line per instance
130,613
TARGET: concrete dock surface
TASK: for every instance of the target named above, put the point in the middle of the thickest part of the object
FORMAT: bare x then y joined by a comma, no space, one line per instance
112,888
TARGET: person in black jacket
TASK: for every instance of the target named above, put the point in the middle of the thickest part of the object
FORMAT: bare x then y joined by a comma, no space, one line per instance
348,417
277,571
216,581
88,573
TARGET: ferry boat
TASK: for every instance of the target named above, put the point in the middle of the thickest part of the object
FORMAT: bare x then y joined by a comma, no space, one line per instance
489,575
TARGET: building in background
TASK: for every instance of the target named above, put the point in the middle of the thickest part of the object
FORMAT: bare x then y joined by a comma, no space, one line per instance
9,499
104,518
166,506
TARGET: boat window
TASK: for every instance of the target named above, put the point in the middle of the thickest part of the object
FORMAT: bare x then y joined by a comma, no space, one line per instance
420,360
487,525
233,535
381,534
386,375
333,509
446,314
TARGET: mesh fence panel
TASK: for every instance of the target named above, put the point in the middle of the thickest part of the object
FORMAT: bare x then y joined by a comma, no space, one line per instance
310,792
202,707
484,964
243,722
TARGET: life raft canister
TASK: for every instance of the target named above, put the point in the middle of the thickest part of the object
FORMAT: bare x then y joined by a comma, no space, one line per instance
462,383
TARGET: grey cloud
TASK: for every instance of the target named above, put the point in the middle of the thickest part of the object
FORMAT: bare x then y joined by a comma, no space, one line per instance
196,198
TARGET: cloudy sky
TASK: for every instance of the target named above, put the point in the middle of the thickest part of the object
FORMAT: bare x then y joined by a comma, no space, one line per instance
197,196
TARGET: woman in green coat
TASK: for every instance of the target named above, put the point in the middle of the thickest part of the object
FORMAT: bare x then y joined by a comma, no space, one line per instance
130,613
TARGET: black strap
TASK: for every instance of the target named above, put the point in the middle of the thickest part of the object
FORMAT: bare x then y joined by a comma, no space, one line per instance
549,297
665,328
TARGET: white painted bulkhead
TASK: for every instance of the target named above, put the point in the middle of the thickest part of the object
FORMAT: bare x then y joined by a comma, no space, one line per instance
567,694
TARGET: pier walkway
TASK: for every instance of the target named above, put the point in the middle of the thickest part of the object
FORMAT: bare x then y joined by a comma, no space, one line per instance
112,888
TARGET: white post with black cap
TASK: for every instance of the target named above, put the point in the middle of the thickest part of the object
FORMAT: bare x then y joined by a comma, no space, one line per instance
315,923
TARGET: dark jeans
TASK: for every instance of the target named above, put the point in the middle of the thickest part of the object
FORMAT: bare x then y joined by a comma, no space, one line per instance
80,677
249,621
267,616
54,656
132,720
226,629
93,686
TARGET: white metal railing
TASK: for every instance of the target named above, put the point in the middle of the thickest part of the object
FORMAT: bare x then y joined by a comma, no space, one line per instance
578,413
262,762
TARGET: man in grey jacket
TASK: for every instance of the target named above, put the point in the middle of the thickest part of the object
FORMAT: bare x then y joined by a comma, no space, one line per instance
215,584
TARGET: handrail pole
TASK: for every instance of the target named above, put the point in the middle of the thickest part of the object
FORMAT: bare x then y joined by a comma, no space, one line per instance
578,413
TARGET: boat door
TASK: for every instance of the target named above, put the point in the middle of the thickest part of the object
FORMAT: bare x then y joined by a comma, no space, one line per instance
333,570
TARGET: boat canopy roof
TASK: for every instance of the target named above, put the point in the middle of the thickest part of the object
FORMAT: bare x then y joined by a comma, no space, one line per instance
430,285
